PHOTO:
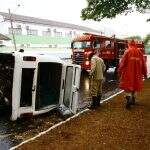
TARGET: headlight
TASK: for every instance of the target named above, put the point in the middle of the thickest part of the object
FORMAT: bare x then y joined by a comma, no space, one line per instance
87,63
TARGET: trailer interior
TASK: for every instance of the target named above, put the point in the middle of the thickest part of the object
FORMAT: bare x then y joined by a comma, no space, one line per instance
6,79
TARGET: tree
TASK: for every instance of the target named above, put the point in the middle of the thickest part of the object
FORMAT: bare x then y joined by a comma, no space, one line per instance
148,19
147,41
99,9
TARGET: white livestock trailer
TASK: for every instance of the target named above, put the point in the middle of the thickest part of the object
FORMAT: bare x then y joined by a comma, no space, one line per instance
37,83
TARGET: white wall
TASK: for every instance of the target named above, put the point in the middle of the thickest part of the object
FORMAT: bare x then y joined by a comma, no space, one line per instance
5,25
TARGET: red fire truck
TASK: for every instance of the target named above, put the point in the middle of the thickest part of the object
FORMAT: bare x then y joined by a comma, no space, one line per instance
111,49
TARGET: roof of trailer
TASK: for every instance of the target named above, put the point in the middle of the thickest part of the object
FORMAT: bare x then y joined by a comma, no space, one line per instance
39,56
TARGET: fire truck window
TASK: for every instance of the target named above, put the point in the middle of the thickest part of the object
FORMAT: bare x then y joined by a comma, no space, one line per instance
96,44
88,44
82,44
108,44
112,44
121,48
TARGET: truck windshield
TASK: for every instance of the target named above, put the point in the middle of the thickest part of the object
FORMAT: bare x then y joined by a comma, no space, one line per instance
82,44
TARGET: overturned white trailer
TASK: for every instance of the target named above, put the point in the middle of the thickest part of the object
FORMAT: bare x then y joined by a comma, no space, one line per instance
37,83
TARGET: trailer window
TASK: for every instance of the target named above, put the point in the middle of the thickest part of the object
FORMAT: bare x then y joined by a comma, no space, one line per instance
26,87
68,83
81,45
48,84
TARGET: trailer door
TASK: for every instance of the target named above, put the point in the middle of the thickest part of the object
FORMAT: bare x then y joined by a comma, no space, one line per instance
75,90
47,86
70,87
23,77
36,87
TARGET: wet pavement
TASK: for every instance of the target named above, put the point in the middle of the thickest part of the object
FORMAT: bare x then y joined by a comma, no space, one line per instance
13,133
109,87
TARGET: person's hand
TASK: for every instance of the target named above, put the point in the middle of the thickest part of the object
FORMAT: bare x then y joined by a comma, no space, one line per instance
104,79
118,76
145,77
89,76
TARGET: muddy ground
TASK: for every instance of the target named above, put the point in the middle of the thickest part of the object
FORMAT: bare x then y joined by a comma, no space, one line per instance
110,127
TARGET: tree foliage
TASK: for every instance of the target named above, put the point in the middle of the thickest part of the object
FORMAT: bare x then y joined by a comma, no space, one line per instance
147,40
148,19
99,9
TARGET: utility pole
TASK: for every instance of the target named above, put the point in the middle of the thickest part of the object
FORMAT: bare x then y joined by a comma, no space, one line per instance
12,30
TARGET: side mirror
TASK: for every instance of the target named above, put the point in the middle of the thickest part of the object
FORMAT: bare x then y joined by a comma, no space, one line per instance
72,45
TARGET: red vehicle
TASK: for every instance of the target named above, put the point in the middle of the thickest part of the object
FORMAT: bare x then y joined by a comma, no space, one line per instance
111,49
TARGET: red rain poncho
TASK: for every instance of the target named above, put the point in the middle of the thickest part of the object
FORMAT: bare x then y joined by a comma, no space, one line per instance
132,68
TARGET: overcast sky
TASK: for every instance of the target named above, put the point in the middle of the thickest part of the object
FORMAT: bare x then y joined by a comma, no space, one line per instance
70,10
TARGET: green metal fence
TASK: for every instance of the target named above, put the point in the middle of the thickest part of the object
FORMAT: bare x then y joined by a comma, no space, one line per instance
29,39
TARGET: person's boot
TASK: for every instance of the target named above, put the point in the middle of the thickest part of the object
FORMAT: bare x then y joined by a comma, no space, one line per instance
98,100
133,101
93,104
128,101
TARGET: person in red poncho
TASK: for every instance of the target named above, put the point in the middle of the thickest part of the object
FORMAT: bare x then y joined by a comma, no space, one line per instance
132,69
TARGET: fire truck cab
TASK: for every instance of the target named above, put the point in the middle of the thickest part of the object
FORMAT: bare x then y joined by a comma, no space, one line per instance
37,83
84,46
